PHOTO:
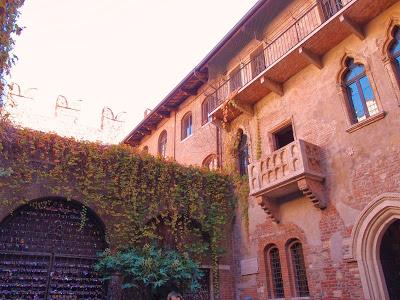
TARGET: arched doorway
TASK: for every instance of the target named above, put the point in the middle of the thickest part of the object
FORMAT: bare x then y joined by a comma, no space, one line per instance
390,259
46,254
373,240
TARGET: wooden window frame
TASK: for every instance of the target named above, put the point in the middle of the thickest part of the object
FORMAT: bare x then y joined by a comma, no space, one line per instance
162,142
185,126
356,80
206,109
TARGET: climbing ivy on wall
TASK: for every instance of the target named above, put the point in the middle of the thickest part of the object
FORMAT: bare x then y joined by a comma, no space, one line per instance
9,13
133,194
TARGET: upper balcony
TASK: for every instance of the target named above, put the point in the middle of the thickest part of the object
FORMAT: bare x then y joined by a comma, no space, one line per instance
304,42
287,173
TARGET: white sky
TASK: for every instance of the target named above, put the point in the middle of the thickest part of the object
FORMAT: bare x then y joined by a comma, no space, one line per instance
125,54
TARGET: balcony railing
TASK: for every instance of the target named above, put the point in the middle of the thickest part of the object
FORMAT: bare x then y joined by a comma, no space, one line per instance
312,19
292,169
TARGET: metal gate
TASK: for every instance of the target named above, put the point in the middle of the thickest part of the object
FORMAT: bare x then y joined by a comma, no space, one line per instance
46,254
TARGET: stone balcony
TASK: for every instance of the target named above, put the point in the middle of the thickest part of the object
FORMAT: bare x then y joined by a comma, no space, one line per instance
288,173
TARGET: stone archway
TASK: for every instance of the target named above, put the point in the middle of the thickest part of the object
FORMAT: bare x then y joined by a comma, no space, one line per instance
45,253
367,236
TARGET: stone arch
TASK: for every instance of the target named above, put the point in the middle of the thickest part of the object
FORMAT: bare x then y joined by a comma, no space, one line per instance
53,248
366,240
358,58
389,38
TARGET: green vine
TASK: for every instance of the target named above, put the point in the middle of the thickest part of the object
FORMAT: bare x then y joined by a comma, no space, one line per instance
9,13
135,195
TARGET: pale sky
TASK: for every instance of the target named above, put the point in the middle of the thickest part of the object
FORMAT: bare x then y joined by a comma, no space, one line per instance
125,54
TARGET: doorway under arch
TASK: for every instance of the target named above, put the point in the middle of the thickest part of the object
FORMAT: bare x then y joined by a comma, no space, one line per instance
46,252
390,259
372,241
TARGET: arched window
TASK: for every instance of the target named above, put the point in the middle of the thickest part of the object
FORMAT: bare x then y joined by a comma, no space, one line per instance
359,91
211,162
187,126
162,144
208,105
274,272
298,269
395,49
243,151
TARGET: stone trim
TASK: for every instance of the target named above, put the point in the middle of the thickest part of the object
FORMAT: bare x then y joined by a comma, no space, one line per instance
366,122
367,234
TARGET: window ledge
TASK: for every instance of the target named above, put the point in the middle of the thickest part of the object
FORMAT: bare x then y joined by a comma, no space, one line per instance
186,138
366,122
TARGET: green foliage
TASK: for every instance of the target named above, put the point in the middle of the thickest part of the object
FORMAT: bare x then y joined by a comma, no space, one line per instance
151,272
135,195
9,13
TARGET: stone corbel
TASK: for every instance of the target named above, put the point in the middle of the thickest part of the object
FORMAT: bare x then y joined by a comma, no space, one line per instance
270,207
313,190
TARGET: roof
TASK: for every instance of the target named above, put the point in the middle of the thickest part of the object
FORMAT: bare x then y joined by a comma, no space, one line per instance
189,85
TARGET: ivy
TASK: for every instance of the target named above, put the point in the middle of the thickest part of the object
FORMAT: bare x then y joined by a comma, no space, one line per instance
9,13
135,193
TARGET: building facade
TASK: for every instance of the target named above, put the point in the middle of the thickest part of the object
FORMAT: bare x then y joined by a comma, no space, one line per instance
302,98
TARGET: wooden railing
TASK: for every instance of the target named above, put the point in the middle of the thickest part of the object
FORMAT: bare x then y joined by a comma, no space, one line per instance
313,18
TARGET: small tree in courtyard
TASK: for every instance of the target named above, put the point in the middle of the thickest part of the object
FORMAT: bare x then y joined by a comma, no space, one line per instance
150,273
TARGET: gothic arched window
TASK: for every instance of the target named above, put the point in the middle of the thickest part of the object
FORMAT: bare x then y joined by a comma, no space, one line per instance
359,92
394,49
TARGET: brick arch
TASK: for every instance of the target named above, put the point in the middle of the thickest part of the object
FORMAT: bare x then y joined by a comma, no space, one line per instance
36,195
367,235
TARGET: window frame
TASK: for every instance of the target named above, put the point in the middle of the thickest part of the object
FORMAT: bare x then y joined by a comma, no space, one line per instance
210,159
351,63
272,280
162,141
243,151
188,117
206,109
293,272
394,56
357,80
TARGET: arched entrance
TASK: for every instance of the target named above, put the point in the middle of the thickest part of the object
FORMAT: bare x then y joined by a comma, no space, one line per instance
46,254
390,259
375,238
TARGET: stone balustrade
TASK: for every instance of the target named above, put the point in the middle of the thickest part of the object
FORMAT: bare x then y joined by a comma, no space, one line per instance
288,171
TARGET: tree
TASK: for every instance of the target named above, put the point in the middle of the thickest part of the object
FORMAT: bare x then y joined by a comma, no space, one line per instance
150,273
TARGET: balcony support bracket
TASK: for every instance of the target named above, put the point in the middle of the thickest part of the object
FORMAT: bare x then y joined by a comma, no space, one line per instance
313,190
352,26
311,57
244,108
270,207
272,85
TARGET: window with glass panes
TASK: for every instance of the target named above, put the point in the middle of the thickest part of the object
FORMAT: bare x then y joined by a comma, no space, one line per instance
275,273
359,91
162,144
299,269
187,128
395,50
